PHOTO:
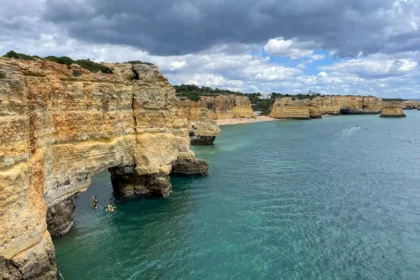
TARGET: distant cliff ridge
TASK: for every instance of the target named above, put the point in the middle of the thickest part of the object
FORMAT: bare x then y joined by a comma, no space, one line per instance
60,125
220,107
290,108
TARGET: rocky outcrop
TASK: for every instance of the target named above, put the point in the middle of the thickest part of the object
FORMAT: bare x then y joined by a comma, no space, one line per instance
205,130
290,108
392,110
189,167
126,183
59,126
60,217
220,107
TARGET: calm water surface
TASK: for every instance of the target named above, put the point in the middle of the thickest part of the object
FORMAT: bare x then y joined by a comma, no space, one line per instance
320,199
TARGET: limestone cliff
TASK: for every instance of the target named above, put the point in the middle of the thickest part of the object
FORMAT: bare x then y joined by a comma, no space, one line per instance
392,110
290,108
405,105
59,126
221,107
205,130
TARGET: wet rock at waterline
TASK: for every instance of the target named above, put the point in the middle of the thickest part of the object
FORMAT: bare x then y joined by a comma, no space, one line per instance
205,130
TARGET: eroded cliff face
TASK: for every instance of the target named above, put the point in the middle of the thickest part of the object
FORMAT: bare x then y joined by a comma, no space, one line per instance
288,108
59,126
405,105
205,130
220,107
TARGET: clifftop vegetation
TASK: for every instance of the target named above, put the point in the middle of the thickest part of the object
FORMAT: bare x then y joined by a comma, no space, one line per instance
84,63
193,92
393,99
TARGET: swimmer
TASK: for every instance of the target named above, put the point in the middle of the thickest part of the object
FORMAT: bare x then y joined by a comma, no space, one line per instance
94,198
93,205
110,208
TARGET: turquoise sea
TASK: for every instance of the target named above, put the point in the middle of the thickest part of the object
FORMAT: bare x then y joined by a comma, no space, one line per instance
319,199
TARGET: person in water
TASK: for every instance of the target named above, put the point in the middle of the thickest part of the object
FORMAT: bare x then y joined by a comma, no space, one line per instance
93,205
94,198
110,208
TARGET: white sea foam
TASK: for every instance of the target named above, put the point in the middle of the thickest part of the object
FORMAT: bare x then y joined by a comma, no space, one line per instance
349,131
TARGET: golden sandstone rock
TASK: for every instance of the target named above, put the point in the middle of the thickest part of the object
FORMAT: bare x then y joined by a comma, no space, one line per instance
220,107
405,105
205,130
59,126
290,108
392,110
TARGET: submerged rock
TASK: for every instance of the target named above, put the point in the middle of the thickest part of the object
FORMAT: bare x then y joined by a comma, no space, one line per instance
205,130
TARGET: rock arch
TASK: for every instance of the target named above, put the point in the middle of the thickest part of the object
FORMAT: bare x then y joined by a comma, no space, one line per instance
58,130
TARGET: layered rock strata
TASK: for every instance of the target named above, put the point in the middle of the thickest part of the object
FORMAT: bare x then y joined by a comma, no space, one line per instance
59,126
220,107
290,108
392,111
190,167
205,130
405,105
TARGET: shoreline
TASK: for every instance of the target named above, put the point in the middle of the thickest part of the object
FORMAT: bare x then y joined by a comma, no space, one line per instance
245,120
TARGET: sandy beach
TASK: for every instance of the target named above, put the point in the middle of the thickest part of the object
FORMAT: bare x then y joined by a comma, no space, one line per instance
245,120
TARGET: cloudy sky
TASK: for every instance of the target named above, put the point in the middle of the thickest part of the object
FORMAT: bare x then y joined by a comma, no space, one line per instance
327,46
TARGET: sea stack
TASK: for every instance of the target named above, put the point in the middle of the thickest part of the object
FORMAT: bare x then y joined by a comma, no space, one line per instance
392,110
205,130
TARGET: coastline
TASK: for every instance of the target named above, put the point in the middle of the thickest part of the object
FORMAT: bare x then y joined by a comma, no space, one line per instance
245,120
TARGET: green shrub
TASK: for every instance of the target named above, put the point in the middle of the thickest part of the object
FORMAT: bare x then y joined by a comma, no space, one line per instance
393,99
2,75
76,73
85,63
93,66
15,55
62,60
139,62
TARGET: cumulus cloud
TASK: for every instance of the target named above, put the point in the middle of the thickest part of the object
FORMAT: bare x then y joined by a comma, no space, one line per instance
373,45
370,68
291,48
168,27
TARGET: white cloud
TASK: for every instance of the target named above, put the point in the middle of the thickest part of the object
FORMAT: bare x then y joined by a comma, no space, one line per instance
373,68
291,48
234,67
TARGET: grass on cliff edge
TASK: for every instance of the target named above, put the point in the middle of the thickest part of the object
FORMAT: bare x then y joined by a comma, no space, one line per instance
85,63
